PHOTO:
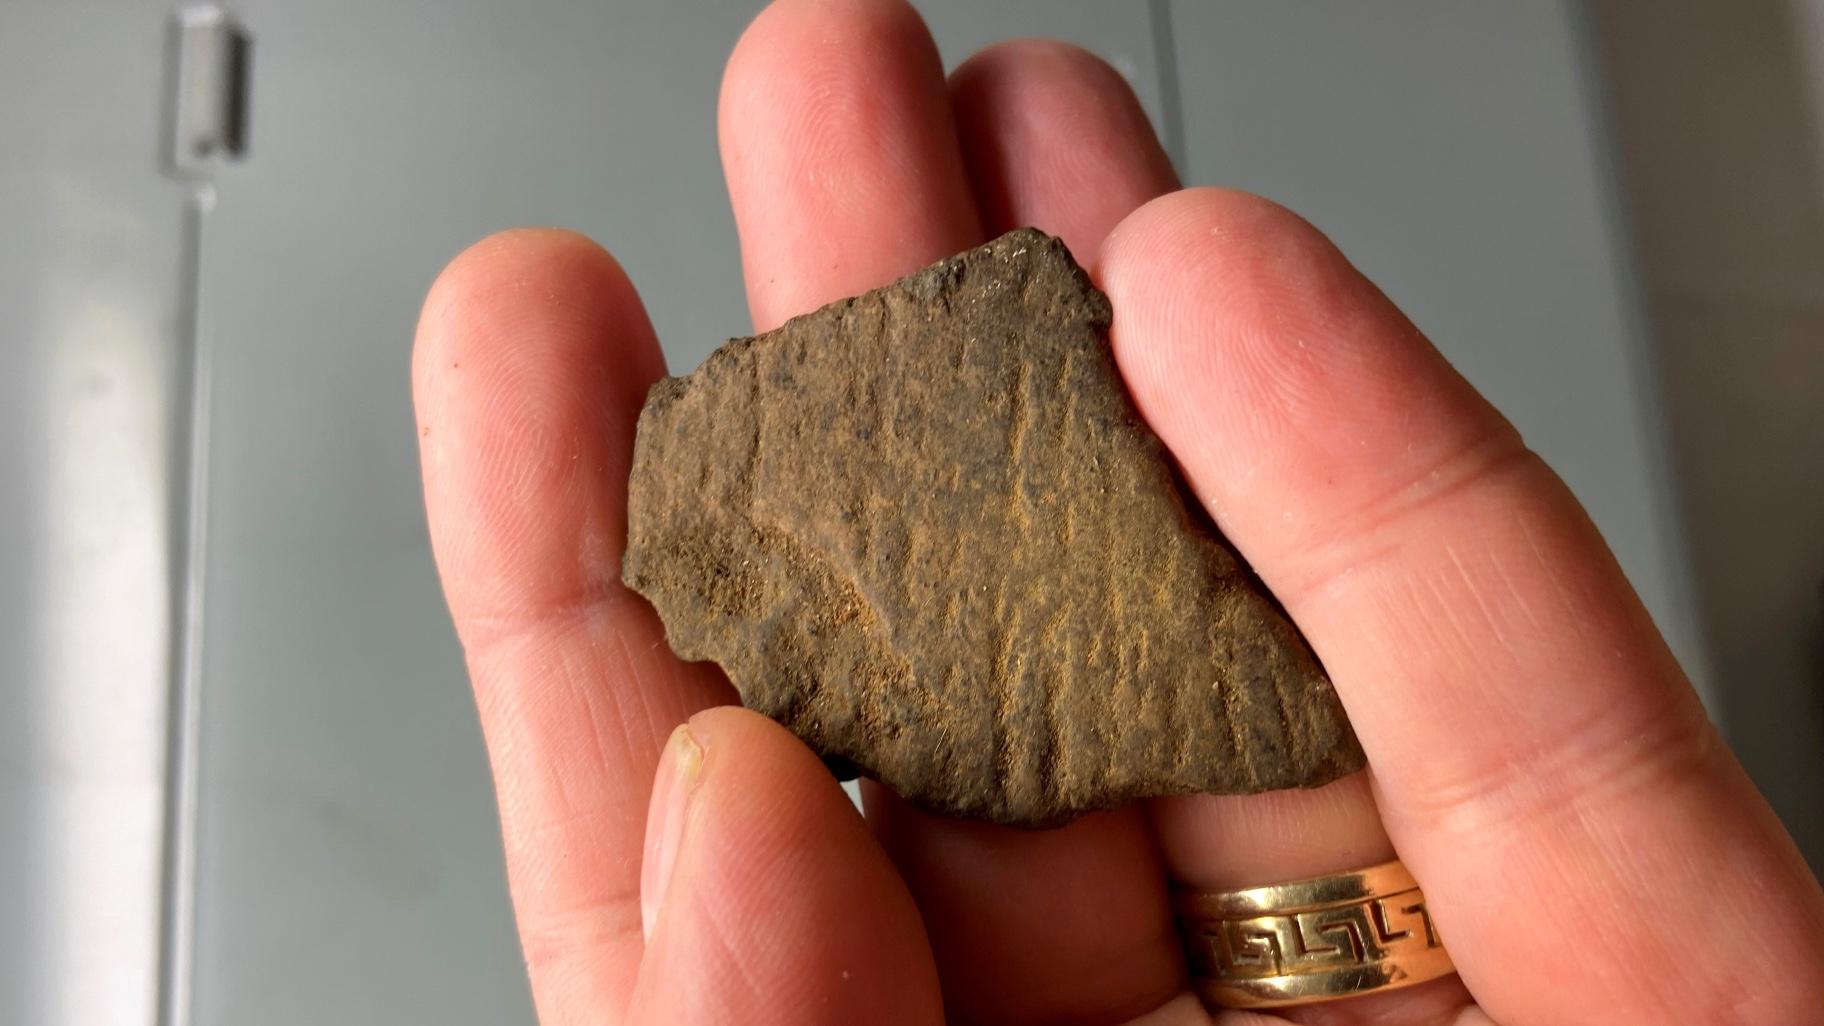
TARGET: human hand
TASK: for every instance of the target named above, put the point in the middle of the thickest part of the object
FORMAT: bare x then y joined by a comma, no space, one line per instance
1590,851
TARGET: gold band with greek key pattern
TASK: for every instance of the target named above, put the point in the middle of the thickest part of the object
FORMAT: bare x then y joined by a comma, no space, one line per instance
1319,939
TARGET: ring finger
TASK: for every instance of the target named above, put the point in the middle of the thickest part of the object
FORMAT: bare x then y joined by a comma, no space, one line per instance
1053,137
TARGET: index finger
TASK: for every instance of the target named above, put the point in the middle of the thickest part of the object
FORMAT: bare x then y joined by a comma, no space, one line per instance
533,357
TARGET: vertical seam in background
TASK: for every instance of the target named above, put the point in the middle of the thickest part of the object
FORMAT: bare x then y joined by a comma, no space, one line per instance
1171,100
1646,371
177,898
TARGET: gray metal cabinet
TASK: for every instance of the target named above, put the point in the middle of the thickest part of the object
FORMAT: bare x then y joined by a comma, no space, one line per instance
95,287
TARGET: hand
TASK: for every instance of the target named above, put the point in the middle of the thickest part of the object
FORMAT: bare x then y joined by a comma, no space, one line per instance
1590,850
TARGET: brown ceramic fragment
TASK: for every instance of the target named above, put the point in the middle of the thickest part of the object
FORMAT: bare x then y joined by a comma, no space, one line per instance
926,529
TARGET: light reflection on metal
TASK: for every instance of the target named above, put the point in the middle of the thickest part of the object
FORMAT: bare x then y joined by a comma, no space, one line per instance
96,698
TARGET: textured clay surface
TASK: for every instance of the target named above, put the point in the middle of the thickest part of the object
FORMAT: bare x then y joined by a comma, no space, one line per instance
926,529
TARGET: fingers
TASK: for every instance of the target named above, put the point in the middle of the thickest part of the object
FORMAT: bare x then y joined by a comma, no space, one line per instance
526,340
770,900
1077,916
1538,760
844,174
841,162
1065,925
533,356
1054,138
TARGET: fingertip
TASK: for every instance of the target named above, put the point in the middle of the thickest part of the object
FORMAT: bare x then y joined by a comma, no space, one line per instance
1192,276
514,254
515,248
842,164
1247,248
1029,52
989,76
532,357
783,27
779,905
758,773
1288,386
517,294
797,56
680,766
764,747
502,267
1054,136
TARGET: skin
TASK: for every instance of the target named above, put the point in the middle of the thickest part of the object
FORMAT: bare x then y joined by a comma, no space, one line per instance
1590,848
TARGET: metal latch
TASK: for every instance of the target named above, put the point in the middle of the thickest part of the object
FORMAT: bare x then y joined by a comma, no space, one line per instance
207,106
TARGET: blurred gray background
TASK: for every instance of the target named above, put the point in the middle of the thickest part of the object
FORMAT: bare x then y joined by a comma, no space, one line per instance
240,777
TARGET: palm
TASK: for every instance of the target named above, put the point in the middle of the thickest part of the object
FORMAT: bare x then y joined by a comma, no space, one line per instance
1538,759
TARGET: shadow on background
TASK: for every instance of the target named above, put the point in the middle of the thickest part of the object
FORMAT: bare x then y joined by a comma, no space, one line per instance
1719,130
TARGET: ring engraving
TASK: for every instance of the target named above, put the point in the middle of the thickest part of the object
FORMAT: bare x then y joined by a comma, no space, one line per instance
1311,940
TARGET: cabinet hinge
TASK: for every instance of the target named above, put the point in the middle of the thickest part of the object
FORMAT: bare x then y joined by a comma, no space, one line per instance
208,79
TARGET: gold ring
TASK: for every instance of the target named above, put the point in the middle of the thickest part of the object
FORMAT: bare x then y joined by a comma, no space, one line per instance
1320,939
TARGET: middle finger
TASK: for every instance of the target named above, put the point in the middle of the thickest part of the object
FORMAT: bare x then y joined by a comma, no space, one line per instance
845,172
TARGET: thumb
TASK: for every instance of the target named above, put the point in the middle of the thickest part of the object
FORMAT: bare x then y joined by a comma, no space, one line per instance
764,895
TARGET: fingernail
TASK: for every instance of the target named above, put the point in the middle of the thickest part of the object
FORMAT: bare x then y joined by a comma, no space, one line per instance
671,789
